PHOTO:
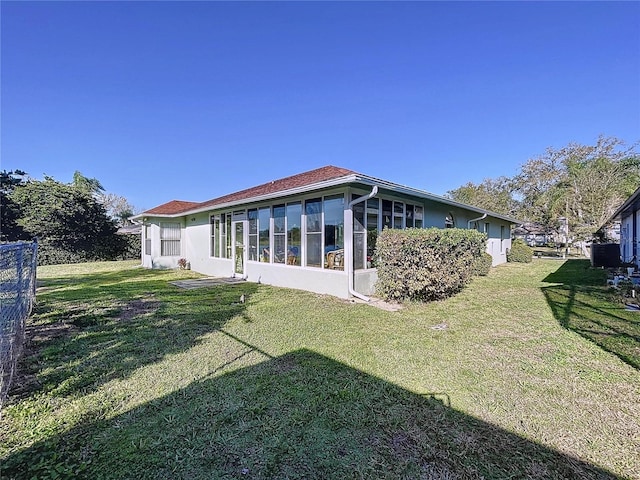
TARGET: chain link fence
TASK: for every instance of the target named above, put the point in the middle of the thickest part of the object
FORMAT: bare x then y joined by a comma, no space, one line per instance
17,296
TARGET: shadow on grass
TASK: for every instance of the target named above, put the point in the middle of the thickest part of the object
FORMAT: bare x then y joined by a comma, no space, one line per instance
87,330
581,302
300,415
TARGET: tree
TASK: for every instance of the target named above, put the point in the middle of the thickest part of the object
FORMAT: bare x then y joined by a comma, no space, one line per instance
536,185
582,183
118,207
10,231
495,195
88,185
69,222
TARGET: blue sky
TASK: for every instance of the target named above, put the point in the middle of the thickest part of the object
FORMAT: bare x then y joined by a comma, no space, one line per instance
163,100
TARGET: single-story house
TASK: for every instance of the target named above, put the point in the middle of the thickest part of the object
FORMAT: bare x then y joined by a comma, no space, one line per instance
314,231
628,214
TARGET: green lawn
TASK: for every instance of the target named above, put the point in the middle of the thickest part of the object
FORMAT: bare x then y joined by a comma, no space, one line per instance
532,372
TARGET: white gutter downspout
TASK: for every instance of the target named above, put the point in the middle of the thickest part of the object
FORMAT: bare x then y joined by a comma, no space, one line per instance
475,220
350,271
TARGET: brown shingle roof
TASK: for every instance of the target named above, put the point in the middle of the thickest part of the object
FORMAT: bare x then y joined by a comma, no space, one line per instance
295,181
172,207
311,177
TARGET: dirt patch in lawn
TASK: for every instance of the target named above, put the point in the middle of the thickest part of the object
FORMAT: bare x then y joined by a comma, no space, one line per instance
139,307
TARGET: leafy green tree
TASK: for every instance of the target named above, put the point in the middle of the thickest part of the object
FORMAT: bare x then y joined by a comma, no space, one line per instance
492,194
536,185
10,231
69,222
88,185
583,183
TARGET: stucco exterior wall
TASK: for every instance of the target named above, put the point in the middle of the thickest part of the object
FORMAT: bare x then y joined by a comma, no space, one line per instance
364,281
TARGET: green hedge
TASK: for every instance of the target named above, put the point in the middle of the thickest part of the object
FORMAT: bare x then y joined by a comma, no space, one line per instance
426,264
519,252
115,247
132,248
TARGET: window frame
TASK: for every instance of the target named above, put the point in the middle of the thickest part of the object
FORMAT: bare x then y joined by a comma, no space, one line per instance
170,229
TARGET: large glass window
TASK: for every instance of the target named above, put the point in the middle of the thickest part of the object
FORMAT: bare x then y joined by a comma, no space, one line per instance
228,236
222,247
294,235
147,239
359,233
398,215
334,231
279,234
373,218
387,214
215,236
264,218
418,217
170,239
409,216
252,215
313,212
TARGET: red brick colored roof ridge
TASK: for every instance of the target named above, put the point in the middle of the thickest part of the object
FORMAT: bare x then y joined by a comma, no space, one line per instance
294,181
172,207
311,177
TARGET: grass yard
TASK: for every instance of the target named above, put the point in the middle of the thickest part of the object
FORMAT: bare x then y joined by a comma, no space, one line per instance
531,372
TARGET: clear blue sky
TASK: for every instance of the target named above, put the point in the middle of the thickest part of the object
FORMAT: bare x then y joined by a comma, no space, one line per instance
190,101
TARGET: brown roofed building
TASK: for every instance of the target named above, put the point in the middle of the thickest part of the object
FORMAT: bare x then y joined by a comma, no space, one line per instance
315,230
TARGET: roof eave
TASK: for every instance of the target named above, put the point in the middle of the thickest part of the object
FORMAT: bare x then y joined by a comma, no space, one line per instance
142,216
431,196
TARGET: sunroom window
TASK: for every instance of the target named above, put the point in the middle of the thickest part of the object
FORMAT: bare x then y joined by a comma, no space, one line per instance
313,212
359,234
252,215
279,234
334,232
215,236
264,218
294,229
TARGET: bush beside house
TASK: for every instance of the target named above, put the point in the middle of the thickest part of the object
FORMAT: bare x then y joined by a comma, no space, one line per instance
482,265
426,264
520,252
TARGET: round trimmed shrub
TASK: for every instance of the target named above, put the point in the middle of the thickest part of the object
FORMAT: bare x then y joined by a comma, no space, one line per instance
482,265
426,264
520,252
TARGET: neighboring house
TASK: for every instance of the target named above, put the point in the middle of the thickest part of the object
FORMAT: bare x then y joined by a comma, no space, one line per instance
534,234
314,231
628,214
129,230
